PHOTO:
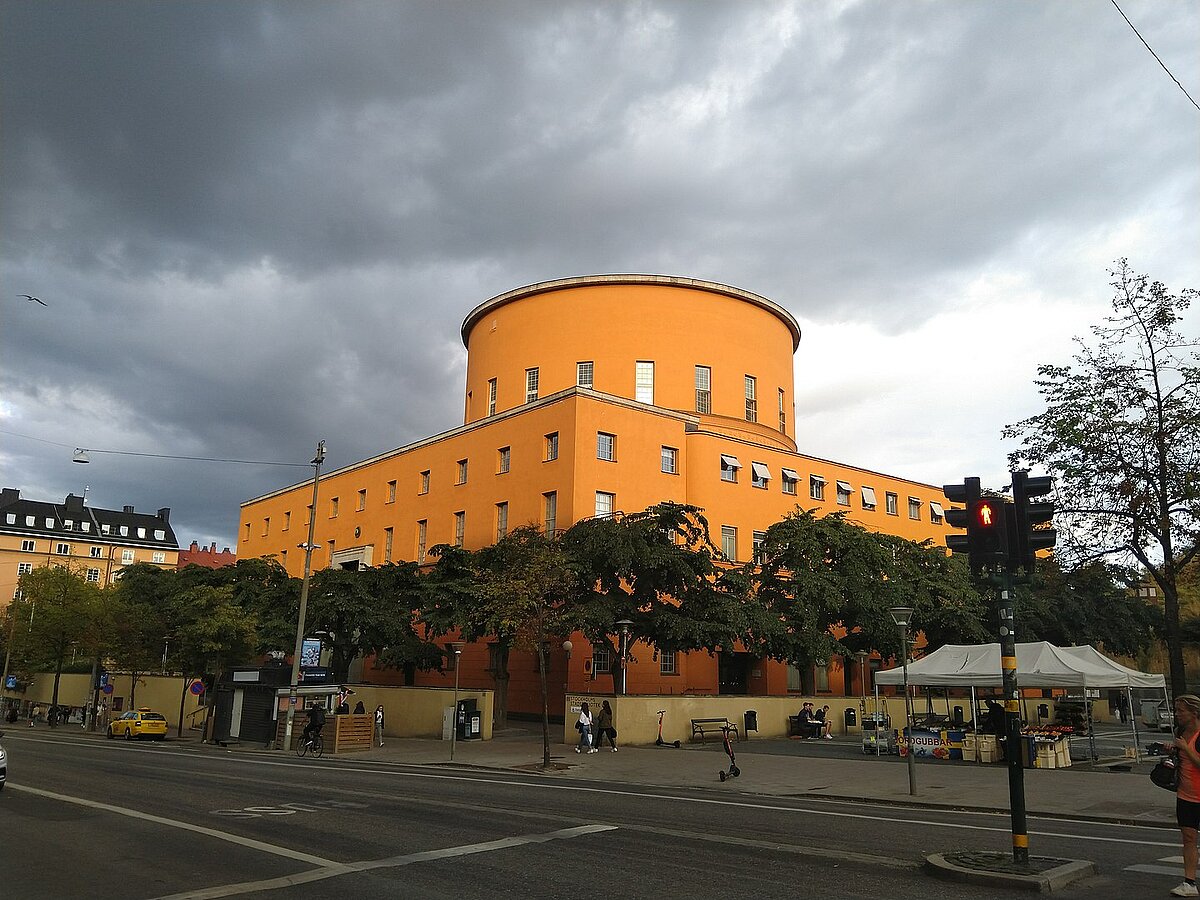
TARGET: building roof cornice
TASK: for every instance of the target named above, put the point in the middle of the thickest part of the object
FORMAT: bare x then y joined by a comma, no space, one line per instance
543,287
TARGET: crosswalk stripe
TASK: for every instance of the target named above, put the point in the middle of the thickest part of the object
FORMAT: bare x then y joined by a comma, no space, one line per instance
1156,870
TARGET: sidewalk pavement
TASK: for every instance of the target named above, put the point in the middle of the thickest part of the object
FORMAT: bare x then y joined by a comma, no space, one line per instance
773,768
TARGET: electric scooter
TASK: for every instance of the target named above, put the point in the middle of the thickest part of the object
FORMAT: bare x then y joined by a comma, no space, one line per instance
734,771
660,742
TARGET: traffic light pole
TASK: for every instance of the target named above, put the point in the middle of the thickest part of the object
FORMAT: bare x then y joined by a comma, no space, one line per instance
1012,722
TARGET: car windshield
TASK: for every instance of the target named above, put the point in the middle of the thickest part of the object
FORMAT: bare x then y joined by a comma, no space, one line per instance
153,717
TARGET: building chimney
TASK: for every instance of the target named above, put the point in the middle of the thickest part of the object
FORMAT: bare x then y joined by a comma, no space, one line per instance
9,495
165,514
128,509
194,548
74,504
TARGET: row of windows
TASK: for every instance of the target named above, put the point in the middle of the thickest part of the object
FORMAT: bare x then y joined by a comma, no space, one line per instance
760,476
64,549
85,527
643,381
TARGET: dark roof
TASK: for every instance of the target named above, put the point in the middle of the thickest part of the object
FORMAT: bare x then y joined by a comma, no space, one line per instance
72,519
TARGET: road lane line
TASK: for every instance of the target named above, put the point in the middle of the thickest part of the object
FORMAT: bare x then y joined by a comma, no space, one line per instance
269,884
1176,871
176,823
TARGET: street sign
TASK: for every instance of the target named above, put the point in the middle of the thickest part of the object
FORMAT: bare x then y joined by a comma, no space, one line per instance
10,683
108,689
197,687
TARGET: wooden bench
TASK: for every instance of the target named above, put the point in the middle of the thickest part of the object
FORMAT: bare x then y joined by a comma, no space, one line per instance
704,727
809,729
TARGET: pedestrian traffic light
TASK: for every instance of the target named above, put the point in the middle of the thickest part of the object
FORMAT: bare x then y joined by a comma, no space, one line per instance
1027,538
984,518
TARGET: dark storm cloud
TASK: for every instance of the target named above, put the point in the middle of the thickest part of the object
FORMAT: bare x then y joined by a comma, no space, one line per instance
261,223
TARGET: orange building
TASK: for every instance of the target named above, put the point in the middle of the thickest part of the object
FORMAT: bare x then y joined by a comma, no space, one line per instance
589,396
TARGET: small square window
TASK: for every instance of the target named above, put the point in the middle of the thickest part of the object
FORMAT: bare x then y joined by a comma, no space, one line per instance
605,502
93,575
126,556
606,446
504,460
29,546
868,499
760,475
97,553
158,556
24,569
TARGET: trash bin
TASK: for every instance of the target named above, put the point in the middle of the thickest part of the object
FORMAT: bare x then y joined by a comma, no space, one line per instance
851,716
749,721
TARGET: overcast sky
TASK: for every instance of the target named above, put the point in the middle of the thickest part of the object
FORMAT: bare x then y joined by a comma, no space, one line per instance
260,224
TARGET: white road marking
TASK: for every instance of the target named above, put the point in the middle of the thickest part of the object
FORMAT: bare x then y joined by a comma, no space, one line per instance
230,890
175,823
1174,871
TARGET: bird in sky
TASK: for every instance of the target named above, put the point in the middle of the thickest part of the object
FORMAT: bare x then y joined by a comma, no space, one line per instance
33,299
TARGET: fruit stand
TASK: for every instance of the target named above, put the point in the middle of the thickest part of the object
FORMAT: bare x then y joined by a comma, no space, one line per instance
1046,746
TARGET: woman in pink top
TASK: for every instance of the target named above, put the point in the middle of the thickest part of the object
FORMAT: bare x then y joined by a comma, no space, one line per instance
1187,796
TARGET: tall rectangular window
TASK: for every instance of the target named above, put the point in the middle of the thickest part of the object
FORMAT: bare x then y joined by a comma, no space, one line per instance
606,446
460,527
424,483
751,398
604,504
816,487
462,472
782,412
422,539
583,374
552,446
703,389
266,526
670,459
643,381
550,513
504,460
758,538
531,385
914,508
388,535
893,504
501,520
729,542
333,507
491,397
362,500
729,468
843,493
391,492
666,662
287,520
790,477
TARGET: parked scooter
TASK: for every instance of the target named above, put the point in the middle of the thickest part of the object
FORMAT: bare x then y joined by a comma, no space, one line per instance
734,771
660,742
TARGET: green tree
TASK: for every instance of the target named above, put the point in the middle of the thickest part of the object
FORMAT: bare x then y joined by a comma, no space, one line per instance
1121,433
60,608
139,626
262,587
656,569
824,576
1090,604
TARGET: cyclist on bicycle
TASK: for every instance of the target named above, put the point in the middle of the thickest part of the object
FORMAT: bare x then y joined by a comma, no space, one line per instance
316,721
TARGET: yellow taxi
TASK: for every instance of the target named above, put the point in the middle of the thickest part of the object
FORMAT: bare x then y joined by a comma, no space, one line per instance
138,723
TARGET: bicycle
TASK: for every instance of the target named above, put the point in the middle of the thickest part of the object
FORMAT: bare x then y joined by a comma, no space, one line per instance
314,745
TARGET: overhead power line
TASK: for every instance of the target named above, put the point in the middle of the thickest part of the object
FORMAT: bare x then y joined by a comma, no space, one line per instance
1155,55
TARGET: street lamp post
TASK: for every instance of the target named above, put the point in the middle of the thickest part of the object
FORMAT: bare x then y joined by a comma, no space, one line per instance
902,616
567,648
308,548
457,647
624,625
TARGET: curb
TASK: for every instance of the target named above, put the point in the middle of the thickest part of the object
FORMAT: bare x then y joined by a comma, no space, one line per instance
1053,878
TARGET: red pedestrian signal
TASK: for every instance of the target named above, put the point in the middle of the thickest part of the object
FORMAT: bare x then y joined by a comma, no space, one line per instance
987,516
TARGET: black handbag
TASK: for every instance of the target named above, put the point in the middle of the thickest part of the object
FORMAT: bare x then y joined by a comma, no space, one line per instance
1165,773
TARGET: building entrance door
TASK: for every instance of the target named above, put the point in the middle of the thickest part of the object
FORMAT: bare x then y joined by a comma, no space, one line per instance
732,672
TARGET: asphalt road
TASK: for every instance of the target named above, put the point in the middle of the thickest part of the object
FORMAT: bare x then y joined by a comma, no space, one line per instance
87,818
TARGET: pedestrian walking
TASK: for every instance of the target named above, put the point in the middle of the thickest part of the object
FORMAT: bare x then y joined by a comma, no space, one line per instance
584,726
34,714
1187,802
604,727
379,725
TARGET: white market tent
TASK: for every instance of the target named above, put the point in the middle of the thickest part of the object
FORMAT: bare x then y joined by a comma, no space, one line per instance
1039,665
